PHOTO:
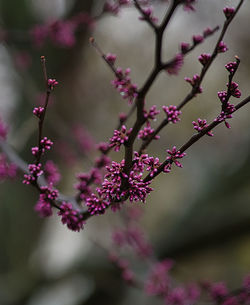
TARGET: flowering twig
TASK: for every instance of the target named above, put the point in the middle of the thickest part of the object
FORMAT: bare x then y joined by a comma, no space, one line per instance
194,139
196,87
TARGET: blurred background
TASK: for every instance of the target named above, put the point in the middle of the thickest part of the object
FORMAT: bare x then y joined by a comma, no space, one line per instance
198,215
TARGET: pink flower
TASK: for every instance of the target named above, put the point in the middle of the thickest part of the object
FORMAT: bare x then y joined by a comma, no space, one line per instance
72,218
172,113
174,155
138,189
234,90
111,58
96,205
197,39
184,47
152,165
194,82
175,65
146,133
151,114
222,47
200,125
123,84
43,206
119,137
231,67
204,58
222,95
46,144
38,111
148,11
52,83
228,11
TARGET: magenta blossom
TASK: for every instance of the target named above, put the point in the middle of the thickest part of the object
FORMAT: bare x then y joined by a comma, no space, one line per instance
200,125
176,64
172,113
174,155
72,218
119,137
147,132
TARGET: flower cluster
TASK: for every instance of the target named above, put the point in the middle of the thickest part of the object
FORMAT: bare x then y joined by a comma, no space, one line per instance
119,137
96,204
52,83
231,67
111,58
229,11
194,82
72,218
222,47
148,12
174,155
123,84
45,144
38,111
200,125
204,58
227,109
197,39
151,114
47,196
234,90
152,165
35,171
174,67
147,132
172,113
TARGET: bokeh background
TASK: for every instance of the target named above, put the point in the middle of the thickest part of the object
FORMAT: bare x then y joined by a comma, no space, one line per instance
198,215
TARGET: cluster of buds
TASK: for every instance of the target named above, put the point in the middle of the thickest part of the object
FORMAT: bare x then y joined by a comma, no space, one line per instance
172,113
120,137
173,158
200,125
123,84
194,82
